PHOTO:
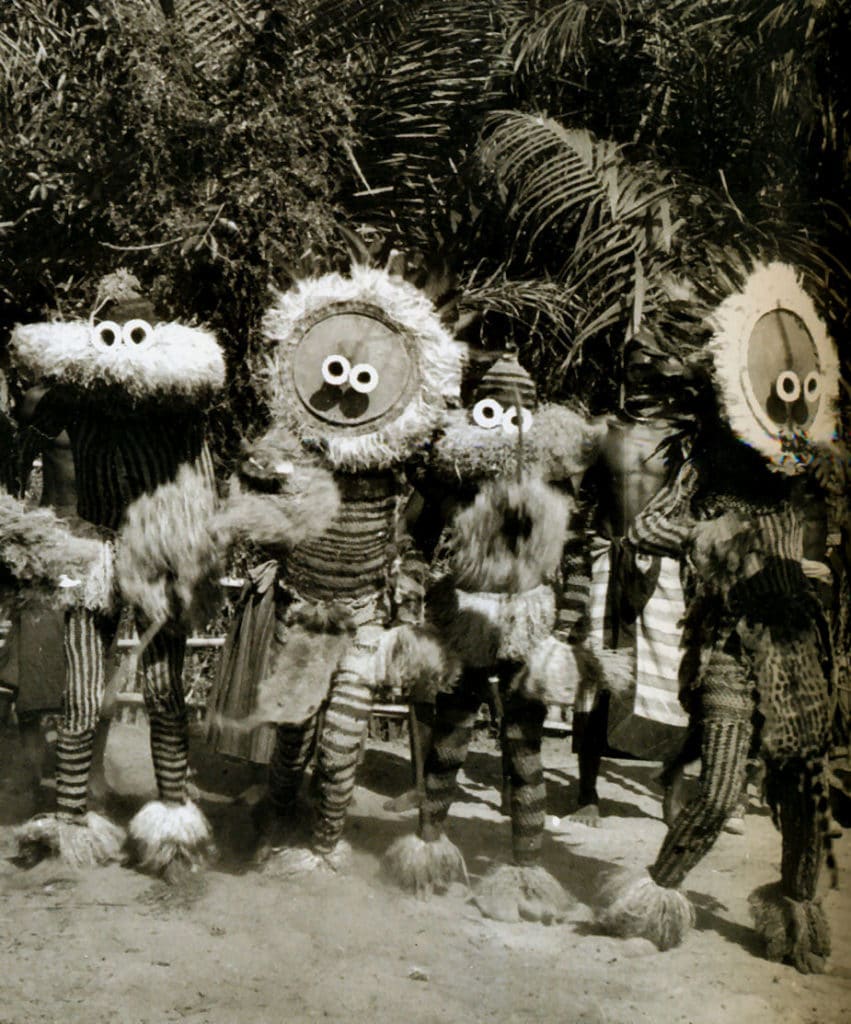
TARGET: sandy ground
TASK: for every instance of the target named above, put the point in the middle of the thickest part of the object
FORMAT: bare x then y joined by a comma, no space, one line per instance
241,947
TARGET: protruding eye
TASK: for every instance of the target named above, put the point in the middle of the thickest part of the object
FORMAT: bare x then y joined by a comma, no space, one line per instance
363,378
137,333
487,413
335,370
510,422
812,386
788,386
107,334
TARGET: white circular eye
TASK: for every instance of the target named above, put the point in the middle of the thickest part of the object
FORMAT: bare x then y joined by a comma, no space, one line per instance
363,378
487,413
812,386
788,386
509,420
106,334
137,333
335,370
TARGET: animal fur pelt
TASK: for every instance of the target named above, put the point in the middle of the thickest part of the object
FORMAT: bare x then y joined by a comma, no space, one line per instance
167,555
300,670
636,907
439,361
795,932
179,361
45,560
516,892
560,444
480,628
721,548
550,675
281,499
603,668
85,840
510,539
170,840
424,868
415,660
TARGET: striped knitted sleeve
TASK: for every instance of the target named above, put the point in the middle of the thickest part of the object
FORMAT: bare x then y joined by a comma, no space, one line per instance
665,524
573,592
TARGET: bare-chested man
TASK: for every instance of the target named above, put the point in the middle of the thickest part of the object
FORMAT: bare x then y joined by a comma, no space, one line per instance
636,600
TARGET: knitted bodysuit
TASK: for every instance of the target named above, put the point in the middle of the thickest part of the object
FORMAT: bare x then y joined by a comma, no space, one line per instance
117,461
354,564
758,646
358,374
132,395
494,609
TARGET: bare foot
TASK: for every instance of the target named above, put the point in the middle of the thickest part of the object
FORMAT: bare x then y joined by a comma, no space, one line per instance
588,815
409,801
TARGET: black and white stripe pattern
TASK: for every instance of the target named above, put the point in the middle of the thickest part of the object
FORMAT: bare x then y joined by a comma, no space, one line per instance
352,559
88,636
118,460
292,752
162,672
724,753
522,732
344,728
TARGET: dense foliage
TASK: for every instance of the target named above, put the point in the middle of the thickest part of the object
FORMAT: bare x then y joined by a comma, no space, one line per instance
208,179
560,174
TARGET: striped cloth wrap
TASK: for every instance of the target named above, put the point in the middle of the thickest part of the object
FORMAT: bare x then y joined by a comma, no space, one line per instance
635,607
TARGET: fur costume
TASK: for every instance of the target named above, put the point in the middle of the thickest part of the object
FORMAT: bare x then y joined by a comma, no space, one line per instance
493,610
760,655
132,394
358,374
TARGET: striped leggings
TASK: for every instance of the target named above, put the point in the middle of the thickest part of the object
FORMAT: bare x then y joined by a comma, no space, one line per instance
88,636
522,731
727,729
345,723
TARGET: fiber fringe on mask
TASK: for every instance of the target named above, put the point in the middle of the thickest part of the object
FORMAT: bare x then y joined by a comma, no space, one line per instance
438,360
515,892
768,287
560,444
183,362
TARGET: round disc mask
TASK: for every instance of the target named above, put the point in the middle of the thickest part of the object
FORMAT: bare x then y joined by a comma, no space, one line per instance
353,369
783,373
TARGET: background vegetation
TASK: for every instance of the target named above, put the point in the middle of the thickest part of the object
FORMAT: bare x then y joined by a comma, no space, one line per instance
560,175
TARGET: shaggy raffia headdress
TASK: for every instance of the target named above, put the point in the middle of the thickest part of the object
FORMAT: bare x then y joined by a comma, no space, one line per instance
122,347
359,366
775,368
483,442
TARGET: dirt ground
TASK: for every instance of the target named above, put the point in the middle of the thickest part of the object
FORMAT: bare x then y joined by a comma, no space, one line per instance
242,947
